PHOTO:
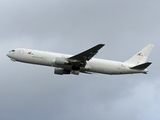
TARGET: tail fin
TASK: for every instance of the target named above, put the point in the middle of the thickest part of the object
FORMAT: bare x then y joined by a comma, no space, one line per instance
141,56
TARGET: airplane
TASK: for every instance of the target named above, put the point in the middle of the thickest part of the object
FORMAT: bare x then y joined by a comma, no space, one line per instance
83,62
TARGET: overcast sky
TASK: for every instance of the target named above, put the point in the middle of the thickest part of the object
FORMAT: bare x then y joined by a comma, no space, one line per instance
31,92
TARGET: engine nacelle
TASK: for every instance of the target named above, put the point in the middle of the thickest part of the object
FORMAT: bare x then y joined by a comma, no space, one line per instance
61,71
75,72
60,61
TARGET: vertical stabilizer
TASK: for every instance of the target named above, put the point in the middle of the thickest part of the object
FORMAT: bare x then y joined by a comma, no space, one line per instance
141,56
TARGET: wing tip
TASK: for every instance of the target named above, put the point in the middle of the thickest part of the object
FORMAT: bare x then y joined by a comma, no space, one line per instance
101,44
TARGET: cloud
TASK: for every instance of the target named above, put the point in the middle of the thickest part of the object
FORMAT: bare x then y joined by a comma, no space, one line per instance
34,92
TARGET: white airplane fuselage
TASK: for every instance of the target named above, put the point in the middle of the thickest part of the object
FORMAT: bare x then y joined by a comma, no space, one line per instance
94,65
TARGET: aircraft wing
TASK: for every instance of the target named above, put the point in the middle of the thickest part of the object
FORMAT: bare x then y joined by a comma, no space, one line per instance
81,58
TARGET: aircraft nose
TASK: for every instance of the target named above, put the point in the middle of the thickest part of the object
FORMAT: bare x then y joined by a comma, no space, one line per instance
8,55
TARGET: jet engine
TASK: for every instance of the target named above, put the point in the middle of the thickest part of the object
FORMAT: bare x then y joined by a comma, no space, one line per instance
61,71
60,61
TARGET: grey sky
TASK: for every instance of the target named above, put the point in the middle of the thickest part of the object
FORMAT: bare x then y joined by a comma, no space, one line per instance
30,92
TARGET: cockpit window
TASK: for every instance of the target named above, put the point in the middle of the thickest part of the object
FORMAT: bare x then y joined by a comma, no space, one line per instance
12,51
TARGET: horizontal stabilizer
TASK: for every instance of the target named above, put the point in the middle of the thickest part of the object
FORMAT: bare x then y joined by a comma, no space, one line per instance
141,66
